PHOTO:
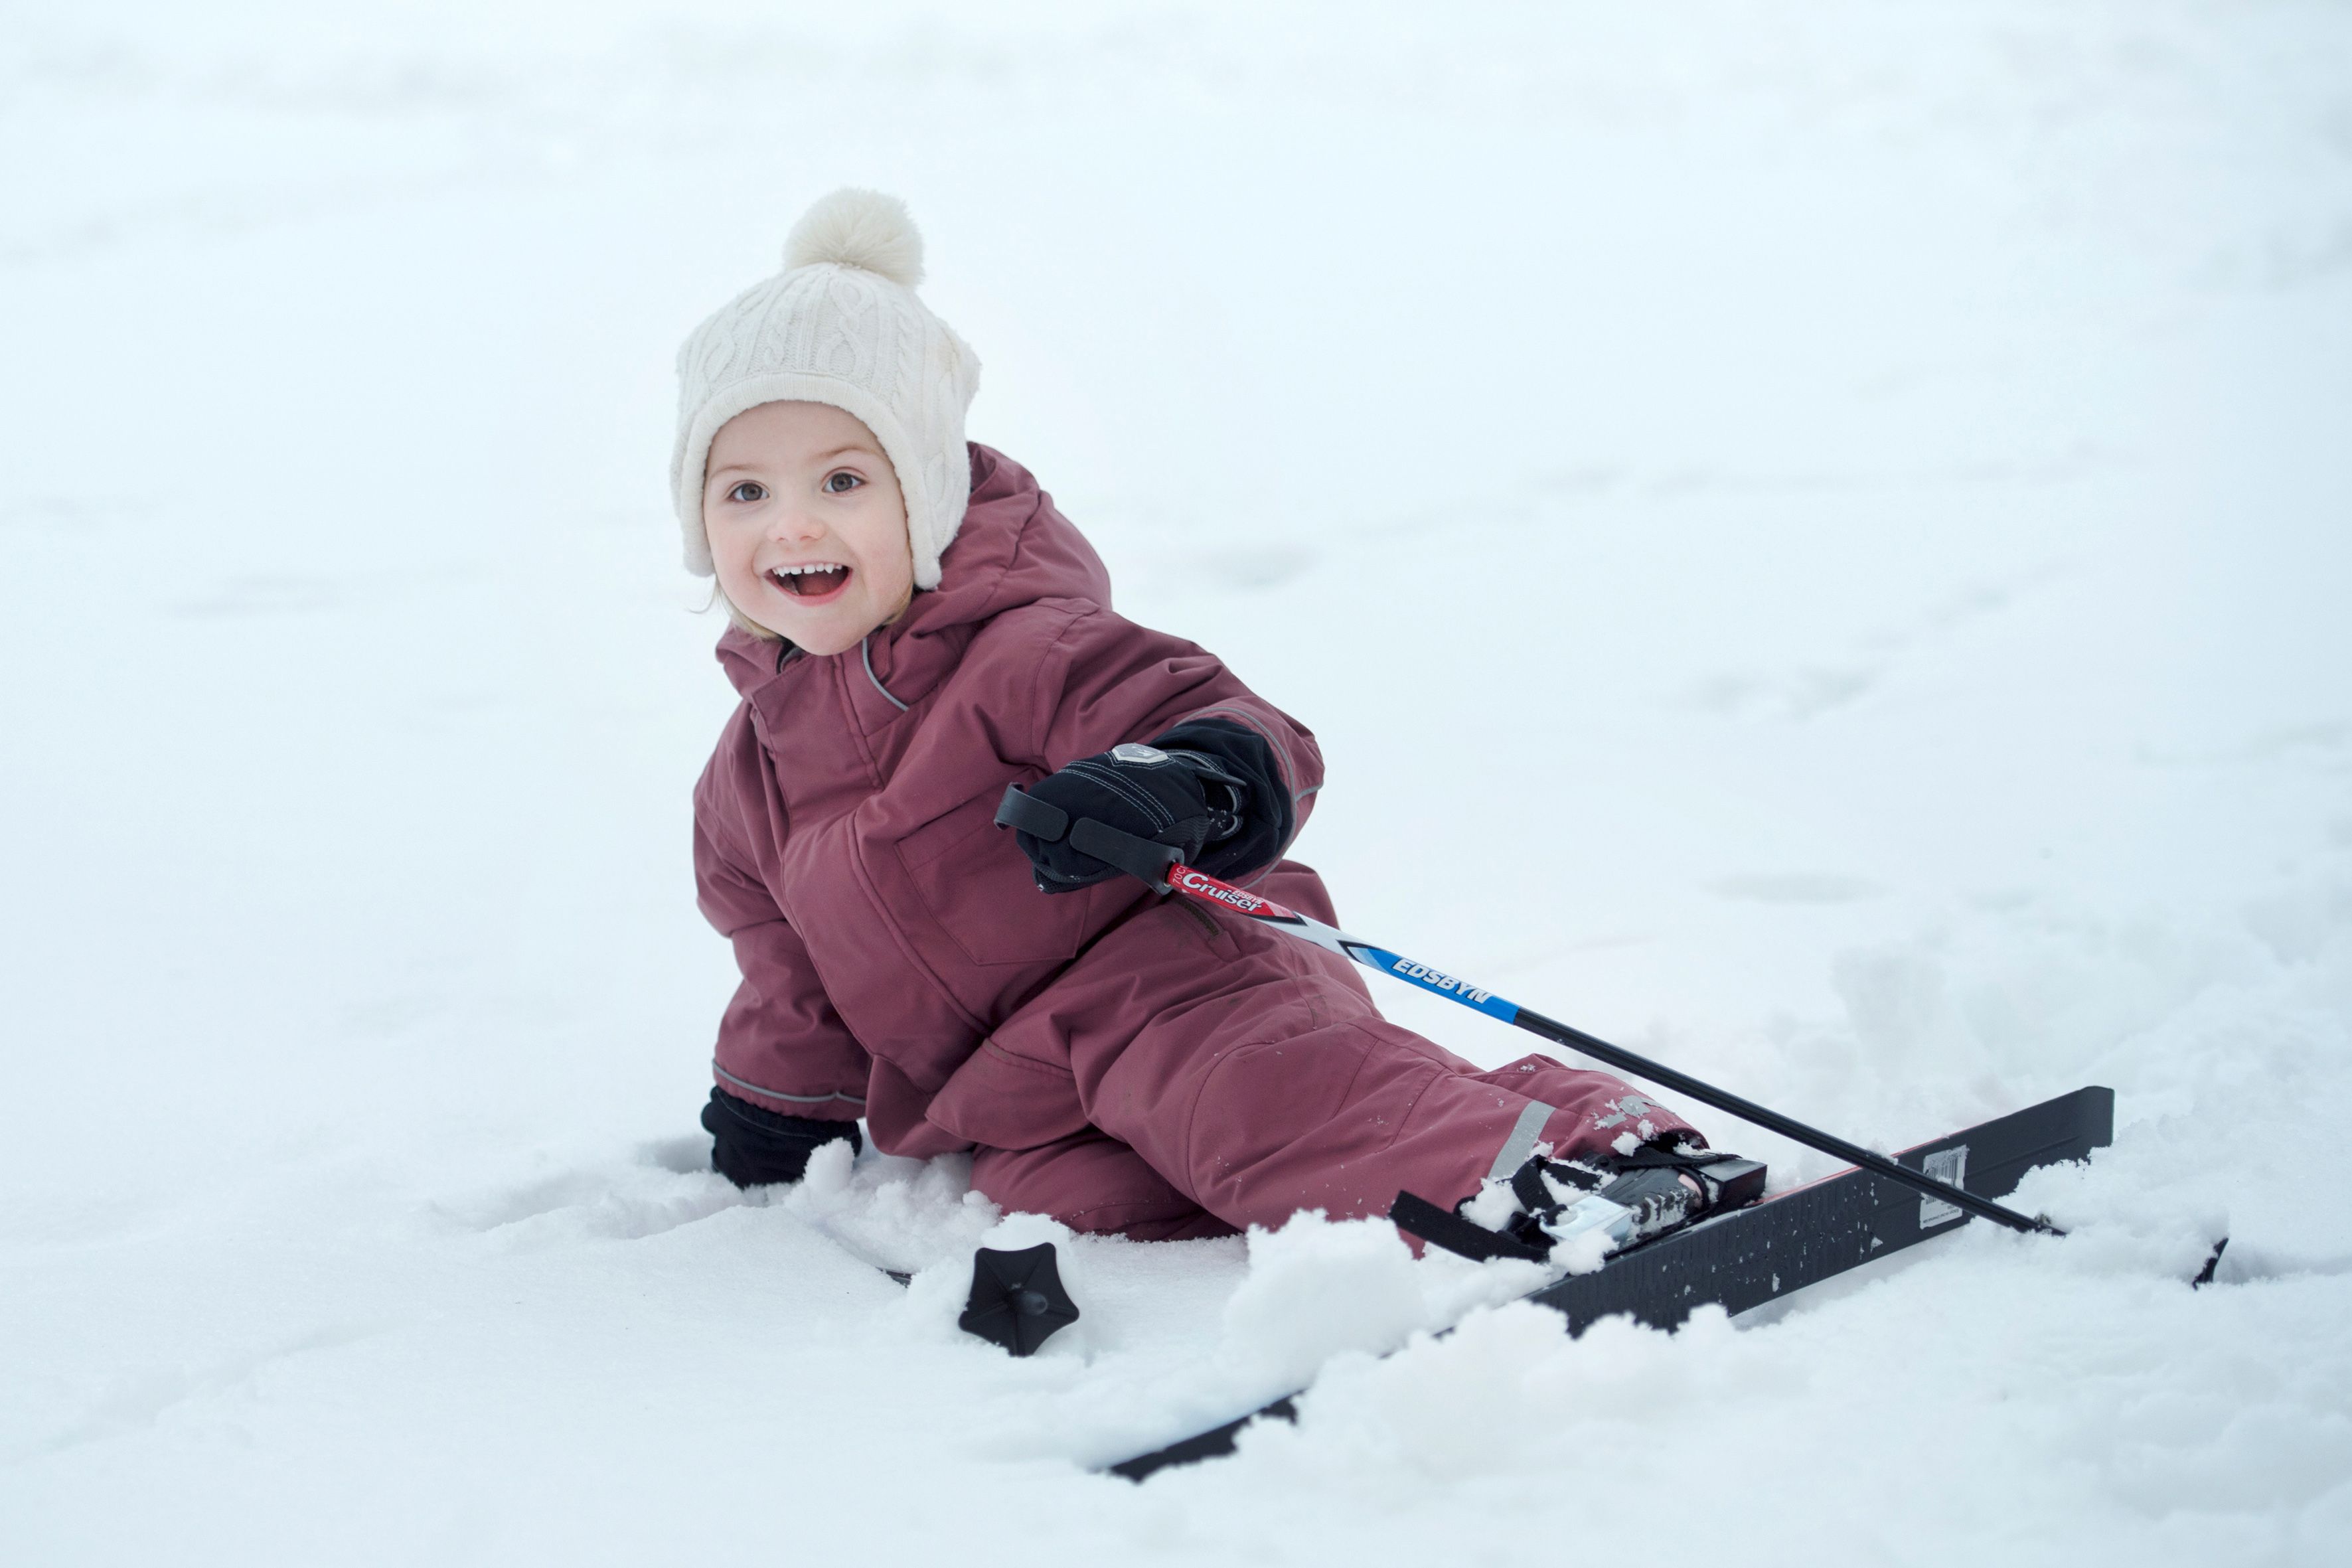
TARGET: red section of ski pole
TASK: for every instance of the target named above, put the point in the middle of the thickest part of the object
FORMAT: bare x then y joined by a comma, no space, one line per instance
1205,889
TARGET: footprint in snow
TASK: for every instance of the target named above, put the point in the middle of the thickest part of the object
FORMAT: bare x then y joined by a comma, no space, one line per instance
668,1187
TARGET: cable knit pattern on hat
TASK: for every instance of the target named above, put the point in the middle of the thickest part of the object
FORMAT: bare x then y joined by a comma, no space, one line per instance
841,324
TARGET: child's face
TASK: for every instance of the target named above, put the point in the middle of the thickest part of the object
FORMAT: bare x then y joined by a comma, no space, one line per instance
791,486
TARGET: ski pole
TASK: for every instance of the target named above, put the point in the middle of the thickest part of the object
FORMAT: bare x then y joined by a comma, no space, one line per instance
1162,869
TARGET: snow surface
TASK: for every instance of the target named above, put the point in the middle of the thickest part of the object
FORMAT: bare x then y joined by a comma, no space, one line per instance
1814,537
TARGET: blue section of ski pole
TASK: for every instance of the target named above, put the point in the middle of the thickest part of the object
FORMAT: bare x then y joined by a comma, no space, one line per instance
1436,980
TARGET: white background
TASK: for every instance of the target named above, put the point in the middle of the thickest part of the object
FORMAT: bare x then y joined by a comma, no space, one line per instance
1815,541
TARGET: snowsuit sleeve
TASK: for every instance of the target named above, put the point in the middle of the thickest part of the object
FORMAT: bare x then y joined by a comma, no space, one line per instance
1106,680
781,1044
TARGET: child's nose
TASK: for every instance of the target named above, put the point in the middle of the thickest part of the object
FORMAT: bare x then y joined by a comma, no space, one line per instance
791,525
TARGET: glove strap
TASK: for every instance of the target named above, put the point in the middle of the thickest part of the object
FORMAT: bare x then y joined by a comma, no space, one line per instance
1138,858
1025,812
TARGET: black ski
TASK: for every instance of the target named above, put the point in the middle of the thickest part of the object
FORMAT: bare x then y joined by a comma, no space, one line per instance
1790,1240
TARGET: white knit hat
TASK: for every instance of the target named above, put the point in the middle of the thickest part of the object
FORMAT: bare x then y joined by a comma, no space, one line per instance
840,324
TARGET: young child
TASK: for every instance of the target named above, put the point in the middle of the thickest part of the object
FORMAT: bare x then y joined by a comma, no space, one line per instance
916,627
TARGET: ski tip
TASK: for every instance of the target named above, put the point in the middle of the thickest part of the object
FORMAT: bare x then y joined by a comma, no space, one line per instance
2212,1262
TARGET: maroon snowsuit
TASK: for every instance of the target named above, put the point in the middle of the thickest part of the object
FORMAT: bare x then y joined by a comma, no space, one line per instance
1116,1059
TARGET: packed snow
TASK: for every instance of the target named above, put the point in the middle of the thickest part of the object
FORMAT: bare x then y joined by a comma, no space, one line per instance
1813,538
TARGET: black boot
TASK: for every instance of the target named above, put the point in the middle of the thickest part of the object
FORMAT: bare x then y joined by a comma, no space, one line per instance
1628,1197
1659,1190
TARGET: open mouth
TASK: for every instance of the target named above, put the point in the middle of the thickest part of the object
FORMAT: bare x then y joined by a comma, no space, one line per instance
818,580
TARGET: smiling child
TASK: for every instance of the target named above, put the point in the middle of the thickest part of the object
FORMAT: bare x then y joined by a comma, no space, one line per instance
916,626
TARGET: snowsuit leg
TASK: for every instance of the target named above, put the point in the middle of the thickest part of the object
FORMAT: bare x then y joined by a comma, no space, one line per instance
1265,1081
1092,1182
1371,1110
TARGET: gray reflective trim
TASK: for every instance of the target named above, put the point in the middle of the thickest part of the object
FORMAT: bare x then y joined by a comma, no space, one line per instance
1302,794
866,656
1522,1141
774,1094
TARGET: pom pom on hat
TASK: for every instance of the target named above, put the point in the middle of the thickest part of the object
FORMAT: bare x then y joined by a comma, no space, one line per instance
865,229
840,324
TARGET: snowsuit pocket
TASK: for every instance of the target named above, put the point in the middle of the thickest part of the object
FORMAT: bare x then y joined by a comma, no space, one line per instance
975,883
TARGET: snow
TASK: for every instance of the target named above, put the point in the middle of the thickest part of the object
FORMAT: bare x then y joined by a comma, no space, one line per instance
1813,538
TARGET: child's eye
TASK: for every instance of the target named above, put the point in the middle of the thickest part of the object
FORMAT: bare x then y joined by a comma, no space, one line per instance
749,490
841,481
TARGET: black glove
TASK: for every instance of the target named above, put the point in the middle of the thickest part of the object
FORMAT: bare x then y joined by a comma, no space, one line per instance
750,1145
1208,788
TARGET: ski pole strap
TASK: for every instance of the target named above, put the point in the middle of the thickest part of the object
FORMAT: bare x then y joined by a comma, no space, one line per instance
1138,858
